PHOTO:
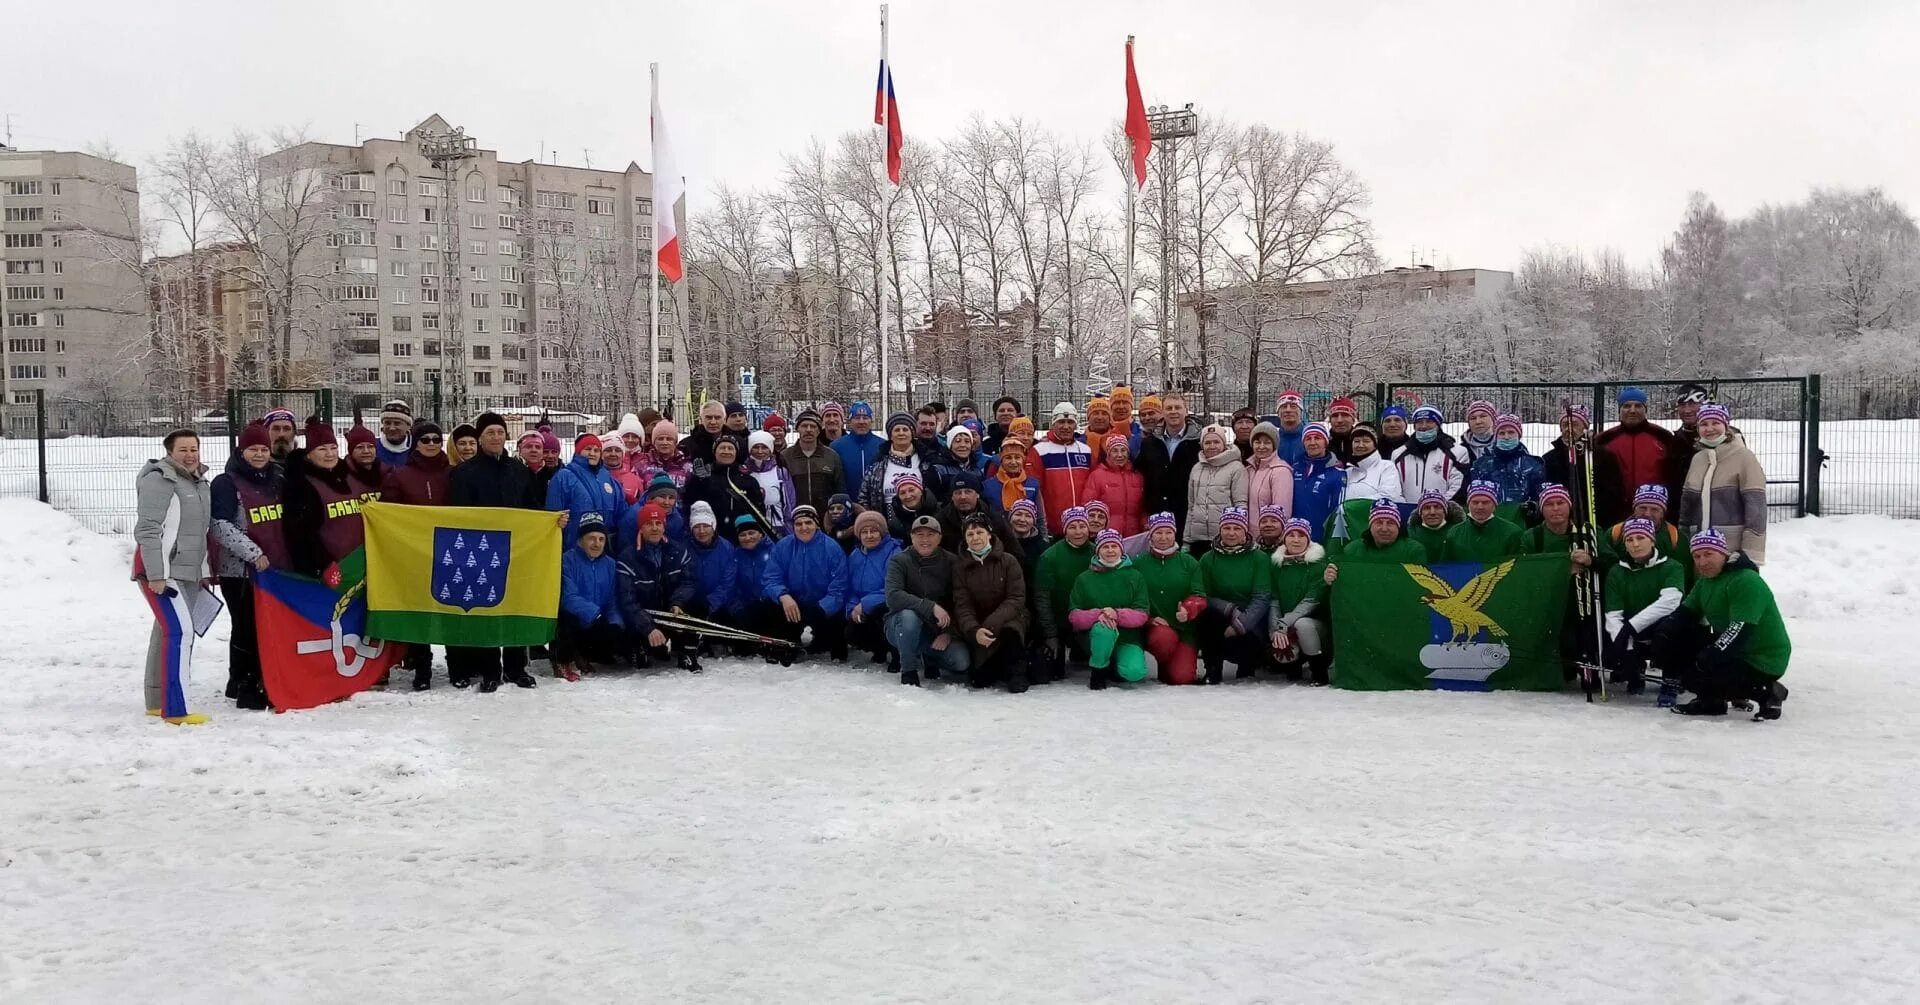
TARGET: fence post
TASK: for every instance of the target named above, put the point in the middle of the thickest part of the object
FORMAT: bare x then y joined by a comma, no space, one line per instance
233,416
437,420
40,417
1813,457
1599,411
1381,389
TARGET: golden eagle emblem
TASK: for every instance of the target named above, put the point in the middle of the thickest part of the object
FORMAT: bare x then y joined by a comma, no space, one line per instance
1462,609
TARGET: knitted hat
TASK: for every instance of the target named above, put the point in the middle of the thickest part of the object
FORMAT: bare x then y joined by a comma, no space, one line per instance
1581,412
279,415
1297,526
1007,399
397,409
1027,506
358,434
1073,514
661,482
1655,494
1319,429
1710,540
1273,512
1395,411
1363,429
1097,504
1150,401
1120,438
652,512
1486,490
319,434
1552,491
967,405
735,408
1432,496
1233,516
666,424
702,515
1100,405
840,499
908,479
585,440
255,435
1122,395
899,419
830,408
859,410
1107,537
772,422
1632,394
804,511
1428,412
611,445
1714,410
806,415
1506,422
760,438
1063,410
1270,431
1481,407
648,416
1637,525
1020,424
731,442
531,434
977,518
870,518
966,481
1290,397
748,522
591,522
958,431
1383,509
1691,392
425,427
1159,520
1342,406
463,431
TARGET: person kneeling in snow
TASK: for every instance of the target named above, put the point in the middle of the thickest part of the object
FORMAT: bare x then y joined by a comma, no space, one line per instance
1110,604
1643,593
1176,594
1746,649
1239,587
990,607
656,574
919,622
867,566
1299,603
807,576
589,627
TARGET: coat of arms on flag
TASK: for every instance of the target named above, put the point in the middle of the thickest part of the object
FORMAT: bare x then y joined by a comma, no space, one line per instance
314,647
1455,626
472,568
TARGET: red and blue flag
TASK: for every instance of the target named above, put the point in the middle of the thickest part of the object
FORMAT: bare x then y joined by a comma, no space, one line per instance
886,111
313,644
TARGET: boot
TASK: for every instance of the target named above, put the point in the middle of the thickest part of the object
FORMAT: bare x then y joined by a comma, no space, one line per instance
1097,679
1702,706
423,680
910,677
461,682
1317,668
254,699
1016,679
690,661
190,719
1242,673
1213,672
522,679
488,685
1769,699
893,662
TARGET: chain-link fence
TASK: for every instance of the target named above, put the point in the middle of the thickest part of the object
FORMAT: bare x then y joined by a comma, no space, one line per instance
1867,441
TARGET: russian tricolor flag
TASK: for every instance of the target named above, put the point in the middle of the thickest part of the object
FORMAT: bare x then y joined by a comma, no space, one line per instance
886,112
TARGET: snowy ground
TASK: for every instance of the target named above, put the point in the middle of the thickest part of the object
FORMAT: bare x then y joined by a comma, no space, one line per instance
823,834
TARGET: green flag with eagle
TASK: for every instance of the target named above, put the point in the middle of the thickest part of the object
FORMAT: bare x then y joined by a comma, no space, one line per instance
1460,626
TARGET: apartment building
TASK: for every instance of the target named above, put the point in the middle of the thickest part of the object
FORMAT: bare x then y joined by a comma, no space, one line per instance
437,261
74,308
208,323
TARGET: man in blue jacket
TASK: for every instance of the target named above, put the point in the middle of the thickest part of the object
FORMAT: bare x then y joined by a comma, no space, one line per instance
807,576
713,565
656,574
859,447
589,627
585,486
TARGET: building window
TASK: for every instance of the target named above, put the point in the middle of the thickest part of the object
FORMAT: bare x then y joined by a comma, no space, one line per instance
512,301
399,270
363,266
403,376
509,273
476,193
506,221
480,327
429,214
396,212
431,268
359,293
59,268
56,188
508,248
482,378
509,196
26,345
56,215
59,293
26,267
430,322
549,301
477,273
553,200
643,205
56,240
402,323
363,319
600,207
402,296
33,372
477,221
562,227
373,375
429,242
430,189
482,352
598,232
477,300
430,296
26,293
23,240
360,210
22,320
25,214
430,347
353,182
403,348
59,371
399,242
568,276
60,321
476,247
396,186
21,187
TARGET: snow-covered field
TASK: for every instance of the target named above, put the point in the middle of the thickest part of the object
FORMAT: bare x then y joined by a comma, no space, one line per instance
822,834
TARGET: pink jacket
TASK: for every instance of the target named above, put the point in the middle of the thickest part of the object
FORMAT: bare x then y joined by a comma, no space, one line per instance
1270,484
1124,491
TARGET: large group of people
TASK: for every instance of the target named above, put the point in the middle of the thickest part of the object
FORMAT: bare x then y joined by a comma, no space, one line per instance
991,549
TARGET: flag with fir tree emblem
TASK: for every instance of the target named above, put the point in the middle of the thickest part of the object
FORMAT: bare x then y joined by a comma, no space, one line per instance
468,576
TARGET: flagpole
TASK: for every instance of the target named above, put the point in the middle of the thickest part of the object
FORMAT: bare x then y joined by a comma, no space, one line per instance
653,282
886,235
1126,298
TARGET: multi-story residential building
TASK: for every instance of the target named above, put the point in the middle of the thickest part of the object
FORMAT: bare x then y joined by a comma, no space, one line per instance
74,309
208,323
432,260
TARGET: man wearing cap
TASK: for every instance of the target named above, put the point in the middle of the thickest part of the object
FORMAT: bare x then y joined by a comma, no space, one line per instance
833,423
1643,593
1123,420
655,574
1650,504
1430,461
964,502
1646,453
1152,414
1065,466
491,478
859,448
775,425
736,419
1168,453
1342,415
583,486
1099,424
1744,648
589,628
1726,489
807,576
1568,463
816,468
396,428
919,622
1381,543
1243,423
1393,429
281,425
1478,439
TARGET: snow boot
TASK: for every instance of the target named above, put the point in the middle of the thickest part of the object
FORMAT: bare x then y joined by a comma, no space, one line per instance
460,682
1317,665
1769,699
423,679
1017,679
1096,678
690,661
931,673
893,662
190,719
488,685
910,677
1213,672
1702,706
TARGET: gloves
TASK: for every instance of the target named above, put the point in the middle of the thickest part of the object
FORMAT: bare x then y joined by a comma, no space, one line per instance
1047,649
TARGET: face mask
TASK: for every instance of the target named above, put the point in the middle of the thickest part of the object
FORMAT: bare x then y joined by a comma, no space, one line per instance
1713,441
1164,552
980,552
1426,435
1506,442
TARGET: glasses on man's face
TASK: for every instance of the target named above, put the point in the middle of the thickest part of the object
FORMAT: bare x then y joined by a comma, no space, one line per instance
429,439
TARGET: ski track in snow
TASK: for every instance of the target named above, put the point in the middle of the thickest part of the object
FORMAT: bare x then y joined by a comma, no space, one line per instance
823,834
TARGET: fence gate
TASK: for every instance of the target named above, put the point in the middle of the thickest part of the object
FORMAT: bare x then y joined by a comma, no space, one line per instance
1774,414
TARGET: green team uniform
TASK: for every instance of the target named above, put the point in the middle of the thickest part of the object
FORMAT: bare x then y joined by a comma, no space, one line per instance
1482,542
1236,578
1297,580
1434,539
1171,580
1666,541
1632,588
1739,595
1053,578
1403,551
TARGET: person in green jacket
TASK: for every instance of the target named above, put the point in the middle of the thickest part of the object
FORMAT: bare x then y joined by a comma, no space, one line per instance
1109,603
1650,503
1482,537
1298,611
1744,647
1176,594
1436,516
1643,594
1382,543
1555,535
1238,579
1053,578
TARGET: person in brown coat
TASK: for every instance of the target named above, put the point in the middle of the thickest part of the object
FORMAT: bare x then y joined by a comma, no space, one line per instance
990,608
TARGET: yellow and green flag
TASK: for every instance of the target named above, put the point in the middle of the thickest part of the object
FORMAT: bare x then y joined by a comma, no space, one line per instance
466,576
1457,626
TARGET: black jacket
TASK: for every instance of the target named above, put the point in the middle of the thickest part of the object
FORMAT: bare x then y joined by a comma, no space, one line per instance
731,492
494,481
1609,494
303,513
953,535
1164,475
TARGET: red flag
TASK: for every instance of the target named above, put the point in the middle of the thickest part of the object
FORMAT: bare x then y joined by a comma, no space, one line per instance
312,647
1137,129
886,111
669,192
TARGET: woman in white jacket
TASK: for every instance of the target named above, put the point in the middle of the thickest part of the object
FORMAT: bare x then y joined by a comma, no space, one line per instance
1431,461
170,563
1218,480
1370,476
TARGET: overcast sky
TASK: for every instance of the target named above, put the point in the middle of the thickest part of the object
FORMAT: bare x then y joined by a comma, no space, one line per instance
1482,128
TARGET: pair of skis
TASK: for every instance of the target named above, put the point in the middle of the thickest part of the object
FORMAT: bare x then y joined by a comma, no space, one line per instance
1593,673
691,625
